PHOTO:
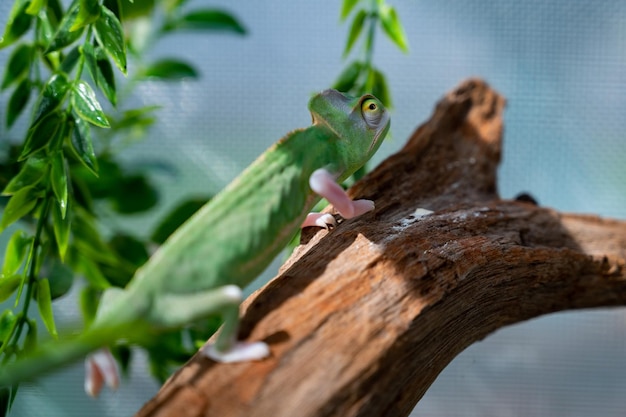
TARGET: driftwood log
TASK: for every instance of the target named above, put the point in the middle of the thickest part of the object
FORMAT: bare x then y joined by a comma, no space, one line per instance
363,318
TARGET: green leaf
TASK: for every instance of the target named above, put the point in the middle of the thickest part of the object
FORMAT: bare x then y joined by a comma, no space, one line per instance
134,194
35,6
92,273
392,27
169,350
89,53
18,101
51,97
123,354
171,5
101,71
5,400
44,303
58,178
88,301
106,78
129,248
88,12
44,33
87,240
165,359
7,321
19,205
116,7
80,191
348,77
380,89
176,218
131,253
82,145
18,24
201,331
110,35
30,342
64,35
61,225
136,117
15,253
86,105
18,65
70,60
104,184
170,69
137,8
206,19
8,285
14,390
44,132
30,174
347,7
61,278
55,9
355,30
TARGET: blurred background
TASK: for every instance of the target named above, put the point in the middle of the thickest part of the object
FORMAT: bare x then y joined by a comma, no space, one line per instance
561,64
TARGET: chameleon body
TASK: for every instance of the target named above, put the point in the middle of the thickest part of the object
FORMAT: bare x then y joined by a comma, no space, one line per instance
200,269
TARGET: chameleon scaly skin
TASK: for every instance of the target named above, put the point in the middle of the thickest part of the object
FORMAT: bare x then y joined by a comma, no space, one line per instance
200,269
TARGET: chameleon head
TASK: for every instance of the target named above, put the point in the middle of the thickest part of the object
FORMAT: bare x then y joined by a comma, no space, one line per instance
360,123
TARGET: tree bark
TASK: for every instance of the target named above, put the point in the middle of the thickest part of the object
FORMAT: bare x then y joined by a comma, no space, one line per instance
362,319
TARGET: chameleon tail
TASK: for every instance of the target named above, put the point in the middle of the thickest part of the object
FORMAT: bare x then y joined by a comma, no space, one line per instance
55,354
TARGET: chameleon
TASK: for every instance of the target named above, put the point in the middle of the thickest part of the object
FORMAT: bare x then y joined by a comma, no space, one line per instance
200,269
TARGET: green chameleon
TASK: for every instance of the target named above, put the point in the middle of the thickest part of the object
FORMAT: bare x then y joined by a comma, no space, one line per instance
201,268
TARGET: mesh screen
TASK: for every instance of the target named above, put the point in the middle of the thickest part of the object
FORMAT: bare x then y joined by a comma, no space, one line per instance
562,66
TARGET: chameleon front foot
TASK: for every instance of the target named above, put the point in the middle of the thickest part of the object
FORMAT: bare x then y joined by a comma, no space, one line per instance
323,183
240,352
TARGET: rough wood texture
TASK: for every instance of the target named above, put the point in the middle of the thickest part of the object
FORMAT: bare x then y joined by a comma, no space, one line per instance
361,320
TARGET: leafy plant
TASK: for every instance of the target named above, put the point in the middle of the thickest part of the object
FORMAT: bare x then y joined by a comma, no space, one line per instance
360,76
64,177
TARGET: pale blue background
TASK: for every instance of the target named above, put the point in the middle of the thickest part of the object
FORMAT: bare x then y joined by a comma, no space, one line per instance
562,66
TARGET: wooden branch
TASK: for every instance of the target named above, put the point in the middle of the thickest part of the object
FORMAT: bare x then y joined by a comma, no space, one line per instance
363,318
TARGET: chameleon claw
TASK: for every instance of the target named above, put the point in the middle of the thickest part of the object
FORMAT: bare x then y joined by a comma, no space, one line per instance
326,221
323,220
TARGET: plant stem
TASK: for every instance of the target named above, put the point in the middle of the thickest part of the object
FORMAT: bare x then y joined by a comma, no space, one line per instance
369,45
32,271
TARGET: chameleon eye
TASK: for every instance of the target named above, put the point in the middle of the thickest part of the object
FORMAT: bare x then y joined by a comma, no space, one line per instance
372,112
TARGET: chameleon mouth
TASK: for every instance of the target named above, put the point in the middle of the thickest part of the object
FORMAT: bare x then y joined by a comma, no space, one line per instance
379,136
374,142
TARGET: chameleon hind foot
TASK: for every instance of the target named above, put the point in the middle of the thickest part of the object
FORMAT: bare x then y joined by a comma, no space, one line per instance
100,369
240,352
